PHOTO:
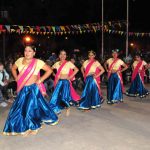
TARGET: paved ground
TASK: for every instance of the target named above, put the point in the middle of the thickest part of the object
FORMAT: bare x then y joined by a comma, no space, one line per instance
124,126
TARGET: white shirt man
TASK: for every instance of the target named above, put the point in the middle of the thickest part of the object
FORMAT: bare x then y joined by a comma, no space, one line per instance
4,77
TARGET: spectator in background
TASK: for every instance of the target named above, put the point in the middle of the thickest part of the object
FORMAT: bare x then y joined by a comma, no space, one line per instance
72,60
4,80
74,81
78,83
12,86
79,75
49,82
127,73
149,72
2,103
53,57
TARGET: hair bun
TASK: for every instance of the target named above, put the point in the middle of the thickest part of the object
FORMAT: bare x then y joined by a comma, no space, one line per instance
115,50
33,47
138,54
91,51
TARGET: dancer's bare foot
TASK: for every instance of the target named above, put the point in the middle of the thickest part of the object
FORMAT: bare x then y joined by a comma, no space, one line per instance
86,110
33,132
26,133
67,112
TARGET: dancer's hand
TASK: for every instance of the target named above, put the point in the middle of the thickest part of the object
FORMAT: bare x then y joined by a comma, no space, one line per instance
119,71
38,81
16,79
68,78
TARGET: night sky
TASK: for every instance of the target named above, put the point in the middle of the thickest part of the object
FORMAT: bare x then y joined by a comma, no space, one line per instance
64,12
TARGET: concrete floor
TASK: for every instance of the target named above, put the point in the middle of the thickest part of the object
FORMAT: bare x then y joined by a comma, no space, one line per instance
124,126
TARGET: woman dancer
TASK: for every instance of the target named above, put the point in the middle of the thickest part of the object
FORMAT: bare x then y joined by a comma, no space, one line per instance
92,70
30,110
64,94
137,86
115,87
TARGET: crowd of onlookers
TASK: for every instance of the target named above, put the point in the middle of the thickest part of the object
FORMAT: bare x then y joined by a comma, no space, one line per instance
8,84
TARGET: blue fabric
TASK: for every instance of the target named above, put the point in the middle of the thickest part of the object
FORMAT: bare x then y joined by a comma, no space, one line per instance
29,111
90,97
61,96
137,88
114,89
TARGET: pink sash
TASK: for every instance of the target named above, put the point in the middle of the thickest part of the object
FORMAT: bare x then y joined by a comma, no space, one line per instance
25,75
74,95
41,86
119,74
58,73
97,71
87,69
111,67
136,71
121,79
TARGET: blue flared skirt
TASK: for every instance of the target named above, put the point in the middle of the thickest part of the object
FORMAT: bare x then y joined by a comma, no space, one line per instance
90,97
114,89
137,88
61,97
28,112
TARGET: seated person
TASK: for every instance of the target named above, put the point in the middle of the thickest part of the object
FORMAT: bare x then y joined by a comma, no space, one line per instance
4,80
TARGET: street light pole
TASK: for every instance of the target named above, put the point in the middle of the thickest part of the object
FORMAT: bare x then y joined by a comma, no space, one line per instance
102,47
4,45
127,29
